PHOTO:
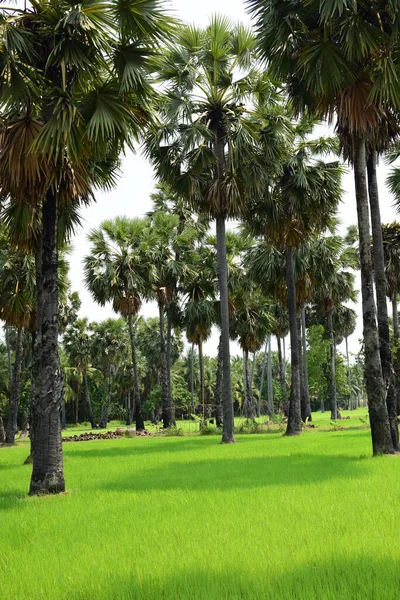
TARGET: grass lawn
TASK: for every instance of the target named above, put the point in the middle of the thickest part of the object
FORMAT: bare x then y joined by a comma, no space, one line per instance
181,518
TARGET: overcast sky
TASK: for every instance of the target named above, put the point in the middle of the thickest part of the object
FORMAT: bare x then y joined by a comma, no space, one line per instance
132,196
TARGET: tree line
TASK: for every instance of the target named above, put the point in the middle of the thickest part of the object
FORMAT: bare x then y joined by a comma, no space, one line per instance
227,117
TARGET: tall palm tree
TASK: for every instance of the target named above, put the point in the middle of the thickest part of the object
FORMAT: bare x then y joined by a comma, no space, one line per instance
301,200
352,48
117,271
203,147
75,84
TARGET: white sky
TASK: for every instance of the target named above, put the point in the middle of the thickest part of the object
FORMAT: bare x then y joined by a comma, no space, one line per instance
131,197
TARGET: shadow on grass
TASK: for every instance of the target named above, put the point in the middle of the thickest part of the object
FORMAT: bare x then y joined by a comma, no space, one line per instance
239,473
358,578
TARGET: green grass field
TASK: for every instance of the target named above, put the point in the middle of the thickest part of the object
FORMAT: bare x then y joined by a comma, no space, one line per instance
184,517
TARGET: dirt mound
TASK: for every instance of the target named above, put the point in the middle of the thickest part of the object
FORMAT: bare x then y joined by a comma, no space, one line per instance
108,435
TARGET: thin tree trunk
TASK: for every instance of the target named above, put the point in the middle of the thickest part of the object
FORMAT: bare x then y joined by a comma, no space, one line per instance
202,389
253,364
303,403
270,382
332,370
285,398
166,407
192,378
168,355
262,379
78,395
10,371
88,400
305,365
12,426
280,362
128,408
245,407
48,469
218,386
137,399
376,390
349,374
294,418
250,406
106,405
381,301
228,431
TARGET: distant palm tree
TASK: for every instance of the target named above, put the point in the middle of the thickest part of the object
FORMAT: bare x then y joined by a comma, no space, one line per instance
117,271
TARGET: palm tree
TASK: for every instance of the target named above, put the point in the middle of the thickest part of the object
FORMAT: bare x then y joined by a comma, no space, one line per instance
334,286
352,48
203,147
116,270
68,115
17,300
76,341
345,320
108,348
300,201
199,308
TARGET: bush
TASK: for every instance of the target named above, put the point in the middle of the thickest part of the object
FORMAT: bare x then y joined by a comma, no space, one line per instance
249,426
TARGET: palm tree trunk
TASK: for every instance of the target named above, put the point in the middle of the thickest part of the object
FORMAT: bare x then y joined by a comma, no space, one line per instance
137,399
381,302
202,390
88,401
303,402
218,386
48,469
168,356
280,362
376,391
166,408
245,406
12,426
63,416
332,370
228,431
294,418
250,406
262,379
106,405
285,397
348,373
192,378
270,382
78,396
10,372
305,365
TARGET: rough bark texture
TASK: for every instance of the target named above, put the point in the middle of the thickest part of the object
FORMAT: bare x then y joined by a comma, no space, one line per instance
307,403
282,377
88,401
138,402
48,470
376,390
395,314
396,357
332,370
12,426
36,345
228,430
168,355
218,386
294,418
166,405
381,302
